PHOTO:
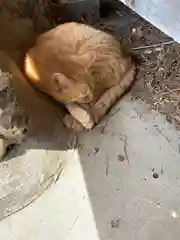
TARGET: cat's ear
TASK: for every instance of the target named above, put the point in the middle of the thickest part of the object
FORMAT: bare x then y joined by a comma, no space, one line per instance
60,82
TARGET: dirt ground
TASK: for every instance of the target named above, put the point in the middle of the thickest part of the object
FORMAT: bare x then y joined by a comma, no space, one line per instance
158,61
158,55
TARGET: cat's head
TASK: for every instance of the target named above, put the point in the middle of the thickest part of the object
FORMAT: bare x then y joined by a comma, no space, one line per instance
64,89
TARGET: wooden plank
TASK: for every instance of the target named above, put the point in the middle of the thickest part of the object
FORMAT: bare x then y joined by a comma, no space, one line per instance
164,14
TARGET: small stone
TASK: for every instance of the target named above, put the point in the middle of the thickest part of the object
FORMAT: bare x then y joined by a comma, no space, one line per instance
121,158
147,51
158,49
155,175
96,150
133,30
116,223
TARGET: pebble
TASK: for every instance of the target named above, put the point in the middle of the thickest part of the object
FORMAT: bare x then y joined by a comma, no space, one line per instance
155,175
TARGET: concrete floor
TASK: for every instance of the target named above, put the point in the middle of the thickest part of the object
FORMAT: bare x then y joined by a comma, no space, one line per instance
107,190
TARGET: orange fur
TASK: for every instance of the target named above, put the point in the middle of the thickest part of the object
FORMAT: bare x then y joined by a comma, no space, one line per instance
75,63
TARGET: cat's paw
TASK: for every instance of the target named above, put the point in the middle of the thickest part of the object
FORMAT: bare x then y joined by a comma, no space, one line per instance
82,116
72,123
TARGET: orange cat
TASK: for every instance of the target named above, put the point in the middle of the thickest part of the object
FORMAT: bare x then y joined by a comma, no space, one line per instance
76,63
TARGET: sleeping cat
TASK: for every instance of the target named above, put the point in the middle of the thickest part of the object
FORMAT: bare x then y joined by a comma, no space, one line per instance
75,63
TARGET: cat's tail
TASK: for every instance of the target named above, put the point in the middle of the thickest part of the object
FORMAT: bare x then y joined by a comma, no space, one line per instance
111,96
127,81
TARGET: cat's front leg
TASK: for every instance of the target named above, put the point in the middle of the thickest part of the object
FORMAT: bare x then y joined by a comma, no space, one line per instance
80,114
112,95
72,123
